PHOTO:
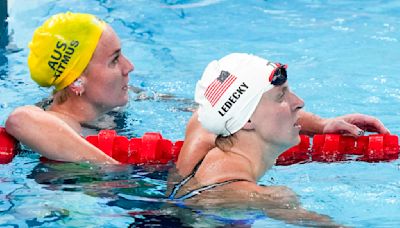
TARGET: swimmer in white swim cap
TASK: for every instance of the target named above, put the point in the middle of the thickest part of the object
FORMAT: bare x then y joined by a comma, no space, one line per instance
247,107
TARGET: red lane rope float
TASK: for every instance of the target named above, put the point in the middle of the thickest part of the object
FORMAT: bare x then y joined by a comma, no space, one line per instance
334,147
153,149
7,147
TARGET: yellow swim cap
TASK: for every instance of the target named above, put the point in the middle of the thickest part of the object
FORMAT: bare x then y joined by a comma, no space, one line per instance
62,47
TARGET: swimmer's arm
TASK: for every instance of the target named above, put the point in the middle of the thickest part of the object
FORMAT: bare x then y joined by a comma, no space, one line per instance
352,124
300,216
52,137
310,123
281,203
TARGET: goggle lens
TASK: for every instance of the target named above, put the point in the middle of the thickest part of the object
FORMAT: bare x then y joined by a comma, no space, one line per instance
279,75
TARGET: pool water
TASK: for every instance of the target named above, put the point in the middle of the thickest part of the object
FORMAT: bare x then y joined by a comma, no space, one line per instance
343,57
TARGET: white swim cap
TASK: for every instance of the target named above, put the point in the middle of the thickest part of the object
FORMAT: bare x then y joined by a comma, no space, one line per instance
231,88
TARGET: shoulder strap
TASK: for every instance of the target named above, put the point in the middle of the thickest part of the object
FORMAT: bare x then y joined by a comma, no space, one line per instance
185,180
204,188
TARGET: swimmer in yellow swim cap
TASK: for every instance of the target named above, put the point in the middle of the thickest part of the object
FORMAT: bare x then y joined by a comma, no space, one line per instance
78,55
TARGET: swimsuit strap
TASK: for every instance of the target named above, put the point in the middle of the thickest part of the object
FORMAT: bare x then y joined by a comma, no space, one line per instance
184,180
204,188
199,190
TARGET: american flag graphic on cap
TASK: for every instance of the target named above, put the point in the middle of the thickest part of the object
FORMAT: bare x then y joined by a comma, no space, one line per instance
217,88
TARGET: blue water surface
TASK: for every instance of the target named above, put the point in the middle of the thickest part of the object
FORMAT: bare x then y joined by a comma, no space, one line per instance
343,57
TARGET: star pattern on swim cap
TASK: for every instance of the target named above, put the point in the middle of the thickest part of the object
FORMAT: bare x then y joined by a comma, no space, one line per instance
223,76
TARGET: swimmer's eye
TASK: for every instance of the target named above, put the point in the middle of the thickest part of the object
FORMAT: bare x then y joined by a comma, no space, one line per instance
281,96
115,60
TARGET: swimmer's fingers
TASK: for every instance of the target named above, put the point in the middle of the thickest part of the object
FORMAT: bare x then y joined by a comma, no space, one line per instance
375,125
366,123
339,126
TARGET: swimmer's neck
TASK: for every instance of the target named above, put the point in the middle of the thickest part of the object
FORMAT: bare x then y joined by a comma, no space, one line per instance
261,155
78,110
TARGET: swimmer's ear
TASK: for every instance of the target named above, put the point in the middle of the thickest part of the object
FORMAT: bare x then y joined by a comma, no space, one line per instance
248,126
77,87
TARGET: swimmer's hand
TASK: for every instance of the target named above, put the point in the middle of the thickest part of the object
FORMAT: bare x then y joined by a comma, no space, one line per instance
354,125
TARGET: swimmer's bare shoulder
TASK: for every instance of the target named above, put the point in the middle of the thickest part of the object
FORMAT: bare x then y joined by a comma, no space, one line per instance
198,142
29,114
22,116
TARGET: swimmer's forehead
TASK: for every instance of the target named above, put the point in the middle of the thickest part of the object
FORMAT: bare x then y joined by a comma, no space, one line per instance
109,44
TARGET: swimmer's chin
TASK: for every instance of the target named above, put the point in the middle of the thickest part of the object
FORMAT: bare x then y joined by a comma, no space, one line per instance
122,104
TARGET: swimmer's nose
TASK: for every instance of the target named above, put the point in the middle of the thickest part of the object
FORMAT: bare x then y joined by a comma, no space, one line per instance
297,102
128,66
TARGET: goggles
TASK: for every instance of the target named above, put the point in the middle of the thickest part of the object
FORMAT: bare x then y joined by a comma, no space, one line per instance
278,75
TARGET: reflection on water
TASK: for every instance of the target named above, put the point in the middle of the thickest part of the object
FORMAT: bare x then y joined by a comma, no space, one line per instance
108,182
102,181
188,5
138,190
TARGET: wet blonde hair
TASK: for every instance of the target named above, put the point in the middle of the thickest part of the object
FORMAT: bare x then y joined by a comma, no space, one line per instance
60,96
224,142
